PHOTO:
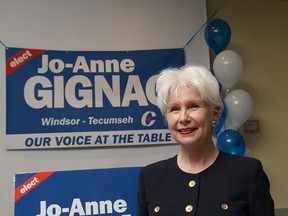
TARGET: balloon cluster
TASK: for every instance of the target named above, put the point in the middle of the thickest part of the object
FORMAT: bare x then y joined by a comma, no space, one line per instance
238,104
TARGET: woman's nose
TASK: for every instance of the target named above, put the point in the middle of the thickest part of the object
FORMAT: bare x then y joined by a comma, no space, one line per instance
184,117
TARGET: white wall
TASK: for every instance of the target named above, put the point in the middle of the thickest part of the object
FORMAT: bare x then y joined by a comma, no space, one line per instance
92,25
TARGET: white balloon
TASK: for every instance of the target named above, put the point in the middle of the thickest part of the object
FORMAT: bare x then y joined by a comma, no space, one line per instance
239,105
228,67
228,124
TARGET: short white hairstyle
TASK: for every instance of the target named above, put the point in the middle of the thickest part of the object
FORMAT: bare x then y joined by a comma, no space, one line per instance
197,77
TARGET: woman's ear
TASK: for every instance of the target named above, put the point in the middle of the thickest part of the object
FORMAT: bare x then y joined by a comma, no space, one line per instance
216,113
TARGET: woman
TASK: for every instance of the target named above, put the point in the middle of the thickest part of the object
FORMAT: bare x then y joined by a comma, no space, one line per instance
200,179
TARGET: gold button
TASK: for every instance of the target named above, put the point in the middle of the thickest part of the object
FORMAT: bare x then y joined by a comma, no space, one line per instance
189,208
224,206
157,209
192,183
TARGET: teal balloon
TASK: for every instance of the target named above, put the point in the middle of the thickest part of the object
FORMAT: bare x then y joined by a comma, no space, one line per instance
217,35
232,142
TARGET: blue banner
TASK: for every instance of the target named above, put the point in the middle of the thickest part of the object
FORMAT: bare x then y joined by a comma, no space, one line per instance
85,192
85,98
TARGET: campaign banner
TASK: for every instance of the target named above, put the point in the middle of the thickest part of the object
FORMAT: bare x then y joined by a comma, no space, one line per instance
57,99
110,191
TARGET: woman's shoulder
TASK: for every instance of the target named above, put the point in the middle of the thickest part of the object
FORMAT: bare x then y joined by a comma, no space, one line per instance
233,157
157,166
238,161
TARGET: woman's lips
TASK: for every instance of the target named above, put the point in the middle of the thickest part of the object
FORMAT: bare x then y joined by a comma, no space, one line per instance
186,130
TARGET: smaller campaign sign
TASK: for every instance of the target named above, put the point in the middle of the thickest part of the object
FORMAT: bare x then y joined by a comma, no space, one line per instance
110,191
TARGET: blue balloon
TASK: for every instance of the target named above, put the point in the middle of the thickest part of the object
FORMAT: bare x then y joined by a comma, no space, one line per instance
232,142
217,35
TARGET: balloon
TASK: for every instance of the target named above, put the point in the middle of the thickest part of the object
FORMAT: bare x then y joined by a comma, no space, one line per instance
227,67
240,106
217,35
232,142
228,124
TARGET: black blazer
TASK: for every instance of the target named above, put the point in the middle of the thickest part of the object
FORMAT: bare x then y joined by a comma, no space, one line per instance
232,185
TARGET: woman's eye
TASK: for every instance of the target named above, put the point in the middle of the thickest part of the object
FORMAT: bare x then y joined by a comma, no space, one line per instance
193,106
173,109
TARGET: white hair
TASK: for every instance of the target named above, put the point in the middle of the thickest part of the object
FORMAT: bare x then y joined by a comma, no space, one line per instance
197,77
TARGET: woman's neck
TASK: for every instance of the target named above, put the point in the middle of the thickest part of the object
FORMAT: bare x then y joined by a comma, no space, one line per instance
196,160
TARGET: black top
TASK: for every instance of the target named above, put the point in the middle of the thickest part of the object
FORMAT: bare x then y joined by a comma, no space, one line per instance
232,185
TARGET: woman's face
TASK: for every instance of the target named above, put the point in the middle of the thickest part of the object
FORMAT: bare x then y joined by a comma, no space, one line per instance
188,117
